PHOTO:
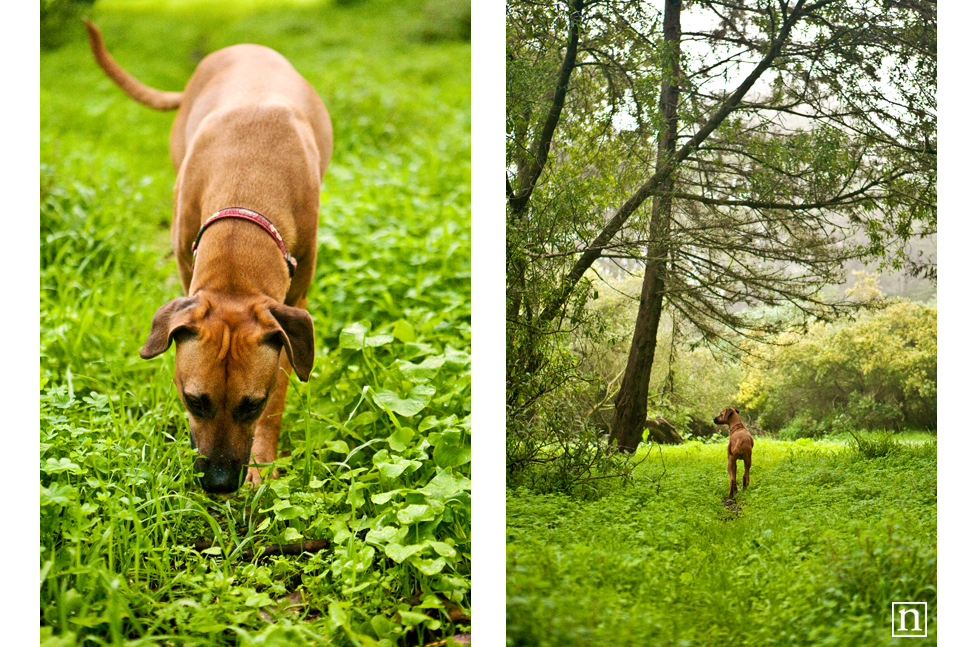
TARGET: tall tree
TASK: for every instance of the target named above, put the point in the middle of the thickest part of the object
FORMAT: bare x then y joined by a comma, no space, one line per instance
631,400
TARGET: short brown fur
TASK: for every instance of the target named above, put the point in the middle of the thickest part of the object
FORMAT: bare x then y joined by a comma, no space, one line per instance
740,445
250,132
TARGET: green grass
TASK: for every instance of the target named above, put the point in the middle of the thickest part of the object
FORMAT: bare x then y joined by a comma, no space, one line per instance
814,552
376,446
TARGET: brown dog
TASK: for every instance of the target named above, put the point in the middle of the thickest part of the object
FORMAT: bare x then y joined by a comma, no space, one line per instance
250,144
740,445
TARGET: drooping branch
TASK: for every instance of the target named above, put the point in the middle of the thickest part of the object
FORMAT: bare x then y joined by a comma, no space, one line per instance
666,167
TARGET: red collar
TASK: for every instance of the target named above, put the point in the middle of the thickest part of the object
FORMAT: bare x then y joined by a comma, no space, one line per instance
251,216
737,426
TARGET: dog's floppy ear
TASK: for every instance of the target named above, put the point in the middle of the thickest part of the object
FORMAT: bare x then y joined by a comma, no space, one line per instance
172,317
296,336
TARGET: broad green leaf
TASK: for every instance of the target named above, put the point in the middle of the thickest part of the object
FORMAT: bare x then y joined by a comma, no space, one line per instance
402,330
379,340
258,600
381,498
429,566
355,495
457,357
391,470
429,422
337,446
449,448
386,534
293,535
419,349
338,615
414,513
421,372
446,484
400,439
393,466
58,494
417,400
352,336
52,466
400,553
339,529
362,419
443,549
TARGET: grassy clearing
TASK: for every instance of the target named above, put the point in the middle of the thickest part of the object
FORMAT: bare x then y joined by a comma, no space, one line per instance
815,552
376,447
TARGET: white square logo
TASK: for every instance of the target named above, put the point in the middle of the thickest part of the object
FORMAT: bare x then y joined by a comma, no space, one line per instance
909,620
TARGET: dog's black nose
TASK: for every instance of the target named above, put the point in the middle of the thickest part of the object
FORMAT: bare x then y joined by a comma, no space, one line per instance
219,477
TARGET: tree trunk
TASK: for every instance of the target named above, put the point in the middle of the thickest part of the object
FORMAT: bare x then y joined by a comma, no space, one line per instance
631,401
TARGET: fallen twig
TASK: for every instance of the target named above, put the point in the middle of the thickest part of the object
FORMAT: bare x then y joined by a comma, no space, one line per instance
310,546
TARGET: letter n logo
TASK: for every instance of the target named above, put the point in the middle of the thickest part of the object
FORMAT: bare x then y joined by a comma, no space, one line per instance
909,620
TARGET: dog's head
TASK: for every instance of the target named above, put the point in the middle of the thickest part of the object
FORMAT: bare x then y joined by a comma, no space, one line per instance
227,360
723,417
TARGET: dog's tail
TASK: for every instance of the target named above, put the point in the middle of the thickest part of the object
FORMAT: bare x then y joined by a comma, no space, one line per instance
134,88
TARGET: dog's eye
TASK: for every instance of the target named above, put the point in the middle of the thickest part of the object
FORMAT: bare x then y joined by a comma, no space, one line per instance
198,405
249,409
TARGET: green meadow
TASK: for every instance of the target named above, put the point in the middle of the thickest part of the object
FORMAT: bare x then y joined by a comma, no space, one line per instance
829,534
375,448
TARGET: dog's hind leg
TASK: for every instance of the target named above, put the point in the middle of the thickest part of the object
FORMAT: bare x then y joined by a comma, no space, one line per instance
747,469
733,473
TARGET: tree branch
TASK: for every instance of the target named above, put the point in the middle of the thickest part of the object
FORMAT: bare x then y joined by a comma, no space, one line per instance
665,167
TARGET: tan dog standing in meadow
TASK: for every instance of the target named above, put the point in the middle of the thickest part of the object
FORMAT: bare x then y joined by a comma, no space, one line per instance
250,144
740,445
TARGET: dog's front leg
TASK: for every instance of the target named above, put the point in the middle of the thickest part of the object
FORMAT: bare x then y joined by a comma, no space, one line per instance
268,426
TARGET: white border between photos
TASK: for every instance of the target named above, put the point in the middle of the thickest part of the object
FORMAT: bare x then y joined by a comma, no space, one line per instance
488,321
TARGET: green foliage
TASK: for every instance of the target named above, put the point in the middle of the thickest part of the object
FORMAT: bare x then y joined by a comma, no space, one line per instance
555,449
448,20
815,553
877,444
375,450
875,372
60,21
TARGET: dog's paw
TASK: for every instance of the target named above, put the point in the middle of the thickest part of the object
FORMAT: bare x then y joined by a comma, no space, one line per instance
253,477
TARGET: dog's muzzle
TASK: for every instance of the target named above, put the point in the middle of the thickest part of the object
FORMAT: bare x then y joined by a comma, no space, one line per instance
219,477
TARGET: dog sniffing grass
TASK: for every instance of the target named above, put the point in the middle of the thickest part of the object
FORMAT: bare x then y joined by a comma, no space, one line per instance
374,450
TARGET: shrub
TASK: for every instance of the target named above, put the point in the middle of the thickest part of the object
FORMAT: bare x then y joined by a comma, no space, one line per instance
876,445
875,372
